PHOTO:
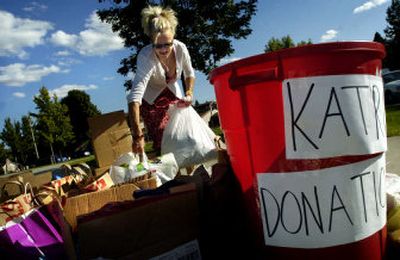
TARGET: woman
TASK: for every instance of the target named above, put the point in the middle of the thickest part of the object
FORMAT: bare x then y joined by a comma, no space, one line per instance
159,66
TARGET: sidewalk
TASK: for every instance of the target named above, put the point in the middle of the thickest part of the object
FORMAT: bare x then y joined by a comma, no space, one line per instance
393,155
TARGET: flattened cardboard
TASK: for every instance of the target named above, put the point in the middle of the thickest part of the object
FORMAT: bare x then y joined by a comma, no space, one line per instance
110,137
110,145
107,122
149,228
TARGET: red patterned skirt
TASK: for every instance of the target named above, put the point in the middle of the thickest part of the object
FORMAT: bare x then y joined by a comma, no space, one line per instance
155,116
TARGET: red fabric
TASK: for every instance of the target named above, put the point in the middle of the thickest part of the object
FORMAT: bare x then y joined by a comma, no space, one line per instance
155,116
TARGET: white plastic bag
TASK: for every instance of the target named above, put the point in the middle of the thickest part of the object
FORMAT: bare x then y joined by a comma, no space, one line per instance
188,137
128,166
165,166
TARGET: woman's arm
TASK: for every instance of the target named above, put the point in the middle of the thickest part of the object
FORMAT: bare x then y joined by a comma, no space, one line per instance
189,83
137,134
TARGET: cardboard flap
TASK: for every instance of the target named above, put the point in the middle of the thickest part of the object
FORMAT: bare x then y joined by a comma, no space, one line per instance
107,122
89,202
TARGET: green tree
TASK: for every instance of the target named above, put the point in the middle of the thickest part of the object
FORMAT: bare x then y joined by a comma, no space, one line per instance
275,44
18,137
207,27
28,140
302,43
378,38
12,138
392,33
4,154
80,108
53,123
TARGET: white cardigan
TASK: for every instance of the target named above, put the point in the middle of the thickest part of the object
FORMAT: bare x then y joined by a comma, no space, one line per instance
150,81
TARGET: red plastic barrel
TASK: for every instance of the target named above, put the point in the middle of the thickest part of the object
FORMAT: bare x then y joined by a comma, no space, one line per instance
251,96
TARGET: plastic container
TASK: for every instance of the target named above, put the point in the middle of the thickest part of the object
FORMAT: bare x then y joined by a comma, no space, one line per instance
251,95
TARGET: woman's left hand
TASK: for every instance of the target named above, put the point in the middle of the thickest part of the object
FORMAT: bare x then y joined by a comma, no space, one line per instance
185,101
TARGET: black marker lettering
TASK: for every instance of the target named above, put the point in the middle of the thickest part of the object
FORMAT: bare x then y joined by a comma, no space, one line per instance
334,191
318,220
362,191
377,101
282,213
359,103
333,95
263,197
294,121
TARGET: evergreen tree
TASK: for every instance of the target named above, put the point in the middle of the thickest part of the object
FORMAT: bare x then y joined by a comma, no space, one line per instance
12,138
4,154
80,108
207,27
378,38
392,33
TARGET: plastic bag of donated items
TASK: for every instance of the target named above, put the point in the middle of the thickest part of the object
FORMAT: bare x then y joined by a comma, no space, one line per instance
128,166
188,137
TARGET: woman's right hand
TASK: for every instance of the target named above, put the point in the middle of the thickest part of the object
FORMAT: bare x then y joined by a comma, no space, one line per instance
138,145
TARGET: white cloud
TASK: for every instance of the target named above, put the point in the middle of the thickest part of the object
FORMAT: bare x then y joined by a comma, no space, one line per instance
17,34
19,94
97,39
64,89
67,62
329,35
19,74
63,39
62,53
35,7
368,5
108,78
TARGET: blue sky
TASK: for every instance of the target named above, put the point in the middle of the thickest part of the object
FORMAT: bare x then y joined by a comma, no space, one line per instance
62,45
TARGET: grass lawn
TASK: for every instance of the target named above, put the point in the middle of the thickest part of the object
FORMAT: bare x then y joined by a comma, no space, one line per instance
393,120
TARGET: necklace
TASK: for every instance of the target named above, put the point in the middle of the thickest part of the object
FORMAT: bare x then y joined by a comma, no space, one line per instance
169,65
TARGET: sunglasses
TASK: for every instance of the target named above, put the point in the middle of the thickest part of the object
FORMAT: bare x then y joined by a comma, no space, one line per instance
162,45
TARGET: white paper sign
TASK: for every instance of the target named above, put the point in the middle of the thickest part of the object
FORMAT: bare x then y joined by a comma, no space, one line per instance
323,208
331,116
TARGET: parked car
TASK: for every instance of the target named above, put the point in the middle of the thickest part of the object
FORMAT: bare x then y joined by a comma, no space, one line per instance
391,85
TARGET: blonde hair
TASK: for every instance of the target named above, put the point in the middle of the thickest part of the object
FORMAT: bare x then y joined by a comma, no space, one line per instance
156,20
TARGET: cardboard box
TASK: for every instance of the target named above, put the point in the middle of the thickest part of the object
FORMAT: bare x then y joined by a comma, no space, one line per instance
88,202
107,122
110,136
148,228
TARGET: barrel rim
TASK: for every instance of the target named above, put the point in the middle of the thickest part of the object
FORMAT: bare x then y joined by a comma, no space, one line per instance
299,51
